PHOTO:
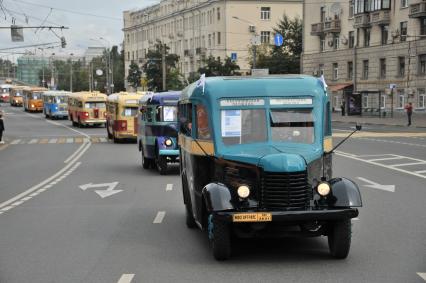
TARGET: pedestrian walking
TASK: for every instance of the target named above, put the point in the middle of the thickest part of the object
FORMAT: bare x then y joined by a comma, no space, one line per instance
1,128
342,107
409,109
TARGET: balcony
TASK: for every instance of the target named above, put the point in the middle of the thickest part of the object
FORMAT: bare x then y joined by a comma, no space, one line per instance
201,51
332,26
417,10
380,17
317,29
362,20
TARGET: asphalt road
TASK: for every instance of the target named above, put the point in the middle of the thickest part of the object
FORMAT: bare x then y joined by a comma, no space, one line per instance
51,230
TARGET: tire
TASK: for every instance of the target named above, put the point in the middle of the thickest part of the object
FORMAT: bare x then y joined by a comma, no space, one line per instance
189,217
220,238
79,123
146,162
339,238
161,163
109,134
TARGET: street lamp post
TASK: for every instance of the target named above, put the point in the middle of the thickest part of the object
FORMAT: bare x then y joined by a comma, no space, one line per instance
52,76
110,66
71,72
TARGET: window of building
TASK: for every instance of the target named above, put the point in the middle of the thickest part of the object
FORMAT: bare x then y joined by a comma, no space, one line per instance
218,14
403,30
401,100
365,69
421,94
365,100
265,13
265,36
210,40
401,66
335,71
382,68
322,43
128,56
321,69
423,26
367,33
351,8
351,39
383,101
350,70
404,3
385,33
218,37
213,39
422,64
336,41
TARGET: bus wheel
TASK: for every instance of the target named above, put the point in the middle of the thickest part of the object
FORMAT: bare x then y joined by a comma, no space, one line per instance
339,238
146,162
79,123
108,132
161,163
220,238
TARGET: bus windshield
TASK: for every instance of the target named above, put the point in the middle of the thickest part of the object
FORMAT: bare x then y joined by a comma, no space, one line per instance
35,95
166,114
243,126
129,112
60,99
94,104
292,125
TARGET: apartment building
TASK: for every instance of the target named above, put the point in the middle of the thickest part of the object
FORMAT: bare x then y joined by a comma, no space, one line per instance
371,52
196,30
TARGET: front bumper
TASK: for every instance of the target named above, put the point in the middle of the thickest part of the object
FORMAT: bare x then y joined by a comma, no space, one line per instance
93,121
299,215
169,152
60,114
124,135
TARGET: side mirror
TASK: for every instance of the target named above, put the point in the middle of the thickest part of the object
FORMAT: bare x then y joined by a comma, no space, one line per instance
358,127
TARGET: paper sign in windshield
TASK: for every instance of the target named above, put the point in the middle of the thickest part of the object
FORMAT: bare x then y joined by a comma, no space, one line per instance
169,113
231,123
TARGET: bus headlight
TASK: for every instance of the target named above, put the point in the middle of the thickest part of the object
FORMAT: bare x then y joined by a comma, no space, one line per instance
168,142
243,191
323,189
32,105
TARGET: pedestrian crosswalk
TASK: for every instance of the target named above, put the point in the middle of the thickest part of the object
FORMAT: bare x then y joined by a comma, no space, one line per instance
52,140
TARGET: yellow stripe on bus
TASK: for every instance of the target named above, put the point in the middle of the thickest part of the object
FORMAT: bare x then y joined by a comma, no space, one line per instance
189,145
328,144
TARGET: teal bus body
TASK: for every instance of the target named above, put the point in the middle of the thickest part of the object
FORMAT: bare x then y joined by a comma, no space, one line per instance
55,104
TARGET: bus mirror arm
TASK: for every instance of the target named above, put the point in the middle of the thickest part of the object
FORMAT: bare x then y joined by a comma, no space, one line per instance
357,128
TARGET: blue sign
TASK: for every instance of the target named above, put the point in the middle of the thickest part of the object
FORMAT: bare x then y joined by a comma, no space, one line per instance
234,56
278,39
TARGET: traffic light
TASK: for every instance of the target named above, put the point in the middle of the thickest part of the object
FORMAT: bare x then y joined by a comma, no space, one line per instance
63,42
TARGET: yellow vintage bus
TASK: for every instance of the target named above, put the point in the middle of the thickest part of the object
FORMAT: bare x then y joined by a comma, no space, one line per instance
15,97
32,98
122,108
87,108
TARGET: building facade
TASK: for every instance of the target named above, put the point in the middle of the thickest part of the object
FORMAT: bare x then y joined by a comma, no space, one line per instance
196,30
372,53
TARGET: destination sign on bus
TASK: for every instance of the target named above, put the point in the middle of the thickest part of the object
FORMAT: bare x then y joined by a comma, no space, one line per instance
242,102
290,101
131,101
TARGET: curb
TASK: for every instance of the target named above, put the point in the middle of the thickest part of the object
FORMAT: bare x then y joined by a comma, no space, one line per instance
380,124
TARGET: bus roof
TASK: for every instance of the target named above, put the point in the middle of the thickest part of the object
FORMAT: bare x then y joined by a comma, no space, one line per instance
87,95
160,97
18,87
56,93
6,86
122,97
34,88
235,87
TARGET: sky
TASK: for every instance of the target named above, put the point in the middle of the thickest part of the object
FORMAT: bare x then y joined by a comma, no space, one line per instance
88,20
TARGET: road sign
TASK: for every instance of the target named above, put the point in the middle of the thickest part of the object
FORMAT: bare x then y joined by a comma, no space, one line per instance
233,56
392,86
102,193
255,40
278,39
99,72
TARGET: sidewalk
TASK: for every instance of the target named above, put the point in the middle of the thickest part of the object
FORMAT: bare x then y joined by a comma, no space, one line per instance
399,119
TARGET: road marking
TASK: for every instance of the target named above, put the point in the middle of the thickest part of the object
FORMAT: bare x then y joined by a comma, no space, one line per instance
33,141
374,185
169,187
397,142
75,153
407,164
26,198
70,140
18,203
6,208
61,140
159,217
383,159
422,275
3,147
355,157
103,139
126,278
44,141
53,140
15,141
78,140
420,172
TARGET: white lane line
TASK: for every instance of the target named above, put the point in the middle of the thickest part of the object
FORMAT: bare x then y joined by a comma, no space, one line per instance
75,153
383,159
103,139
33,194
41,190
159,218
18,203
53,140
408,164
422,275
354,157
33,141
372,155
48,186
6,208
15,141
169,187
420,172
126,278
26,198
69,140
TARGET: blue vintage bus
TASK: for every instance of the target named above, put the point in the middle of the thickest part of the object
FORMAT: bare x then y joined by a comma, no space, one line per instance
157,130
255,156
55,104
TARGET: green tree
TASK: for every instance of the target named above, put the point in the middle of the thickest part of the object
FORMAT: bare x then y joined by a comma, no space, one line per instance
214,67
118,71
154,72
134,76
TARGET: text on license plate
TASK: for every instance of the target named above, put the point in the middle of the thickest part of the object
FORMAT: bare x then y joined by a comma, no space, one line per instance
252,217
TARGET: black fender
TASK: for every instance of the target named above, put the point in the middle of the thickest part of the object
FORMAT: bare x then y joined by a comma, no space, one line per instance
217,197
345,192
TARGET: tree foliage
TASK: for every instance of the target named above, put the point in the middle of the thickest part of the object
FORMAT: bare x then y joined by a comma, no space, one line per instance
134,75
214,67
154,71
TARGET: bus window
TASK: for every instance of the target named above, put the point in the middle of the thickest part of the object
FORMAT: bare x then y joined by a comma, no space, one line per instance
292,125
203,131
91,105
243,126
185,118
129,112
148,113
166,114
36,95
60,99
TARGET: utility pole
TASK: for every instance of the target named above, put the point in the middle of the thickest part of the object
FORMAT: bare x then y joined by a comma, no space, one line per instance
71,72
163,61
254,55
